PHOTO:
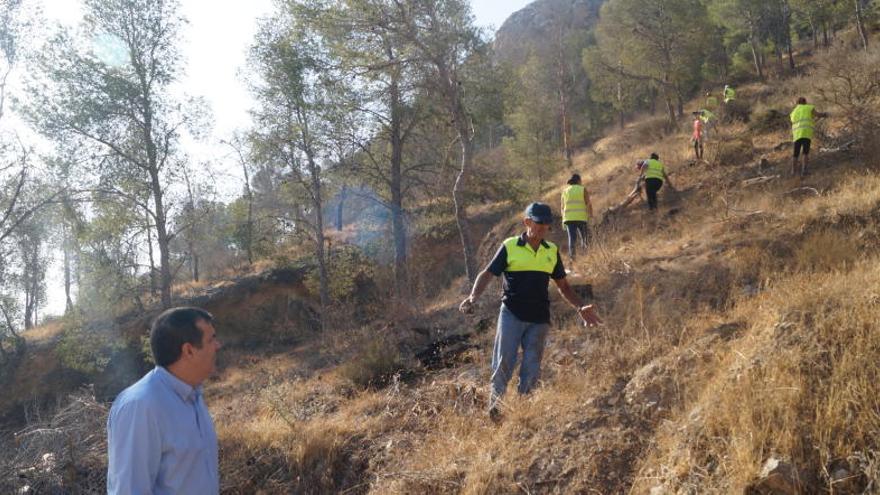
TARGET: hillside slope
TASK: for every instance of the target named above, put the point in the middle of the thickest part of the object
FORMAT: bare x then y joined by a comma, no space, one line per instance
740,329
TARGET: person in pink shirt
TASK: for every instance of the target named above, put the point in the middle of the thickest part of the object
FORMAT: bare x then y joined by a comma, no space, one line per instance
697,137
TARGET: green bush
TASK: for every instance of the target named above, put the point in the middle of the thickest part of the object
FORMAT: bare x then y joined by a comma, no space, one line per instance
87,349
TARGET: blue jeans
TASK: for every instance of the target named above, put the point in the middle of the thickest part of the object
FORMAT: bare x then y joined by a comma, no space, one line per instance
573,227
513,333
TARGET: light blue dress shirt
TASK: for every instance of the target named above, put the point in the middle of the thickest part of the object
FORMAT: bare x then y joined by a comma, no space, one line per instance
161,439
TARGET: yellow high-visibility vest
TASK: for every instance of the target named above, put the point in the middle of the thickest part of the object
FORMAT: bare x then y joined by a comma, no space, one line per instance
729,95
654,169
802,122
706,116
525,259
574,204
711,103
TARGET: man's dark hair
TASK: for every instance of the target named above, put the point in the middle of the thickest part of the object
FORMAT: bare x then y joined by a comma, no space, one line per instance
172,329
802,101
575,179
655,156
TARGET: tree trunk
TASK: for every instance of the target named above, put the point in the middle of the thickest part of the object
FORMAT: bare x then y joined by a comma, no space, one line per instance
756,58
860,24
343,194
463,129
190,238
398,227
653,96
154,283
622,118
324,290
679,102
317,205
458,190
825,41
249,228
786,18
66,247
670,109
164,241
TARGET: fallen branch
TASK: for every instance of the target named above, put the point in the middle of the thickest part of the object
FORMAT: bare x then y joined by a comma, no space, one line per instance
843,147
759,180
798,190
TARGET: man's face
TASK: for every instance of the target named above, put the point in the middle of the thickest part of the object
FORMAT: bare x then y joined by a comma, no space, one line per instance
535,229
204,360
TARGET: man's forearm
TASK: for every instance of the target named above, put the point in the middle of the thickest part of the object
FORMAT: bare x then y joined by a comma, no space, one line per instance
480,284
568,293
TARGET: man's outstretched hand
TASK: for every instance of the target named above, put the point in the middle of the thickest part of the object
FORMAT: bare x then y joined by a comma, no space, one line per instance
467,306
588,314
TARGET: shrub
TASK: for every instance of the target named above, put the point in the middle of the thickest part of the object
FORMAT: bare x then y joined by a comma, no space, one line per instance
87,348
770,120
377,362
849,82
735,151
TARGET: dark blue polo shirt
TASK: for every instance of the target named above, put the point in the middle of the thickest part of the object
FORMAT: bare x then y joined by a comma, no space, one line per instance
525,293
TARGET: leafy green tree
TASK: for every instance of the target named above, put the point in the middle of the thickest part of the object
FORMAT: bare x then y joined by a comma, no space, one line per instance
532,119
109,90
380,102
292,127
444,40
664,45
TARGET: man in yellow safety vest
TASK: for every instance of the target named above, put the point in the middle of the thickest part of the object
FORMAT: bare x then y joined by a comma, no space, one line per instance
802,125
527,262
654,173
729,94
577,209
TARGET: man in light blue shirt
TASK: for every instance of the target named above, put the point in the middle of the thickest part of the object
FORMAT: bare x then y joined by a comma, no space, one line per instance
160,436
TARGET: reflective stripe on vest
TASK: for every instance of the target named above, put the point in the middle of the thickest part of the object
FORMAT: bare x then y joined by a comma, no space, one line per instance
523,259
802,122
574,204
654,169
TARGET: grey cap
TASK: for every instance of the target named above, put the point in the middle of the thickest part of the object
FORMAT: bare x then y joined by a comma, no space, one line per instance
540,213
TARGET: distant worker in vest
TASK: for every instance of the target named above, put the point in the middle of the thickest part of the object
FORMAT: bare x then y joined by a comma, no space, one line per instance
655,175
708,119
527,262
711,101
697,136
729,94
802,125
160,436
577,209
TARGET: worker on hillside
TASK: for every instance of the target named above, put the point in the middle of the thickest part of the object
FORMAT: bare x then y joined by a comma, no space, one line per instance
654,173
711,101
528,262
708,119
697,136
802,133
729,94
577,209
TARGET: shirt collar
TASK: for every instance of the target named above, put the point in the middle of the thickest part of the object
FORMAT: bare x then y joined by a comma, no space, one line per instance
184,390
523,240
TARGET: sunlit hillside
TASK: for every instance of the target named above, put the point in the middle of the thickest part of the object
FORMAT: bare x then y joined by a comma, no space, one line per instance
739,347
